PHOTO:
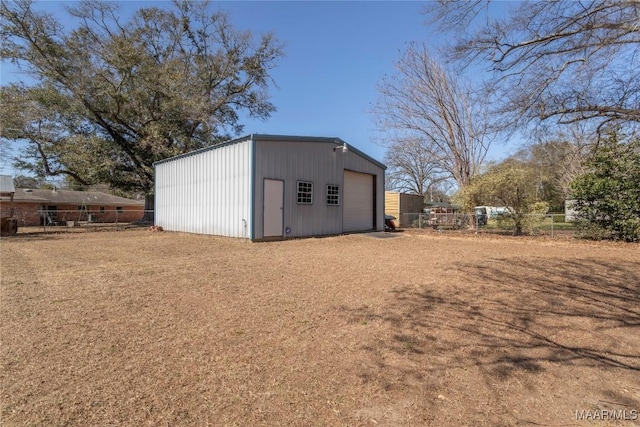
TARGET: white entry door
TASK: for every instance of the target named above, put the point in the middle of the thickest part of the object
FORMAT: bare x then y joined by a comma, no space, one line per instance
273,207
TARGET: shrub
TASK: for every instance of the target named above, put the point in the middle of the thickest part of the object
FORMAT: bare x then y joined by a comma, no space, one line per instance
608,194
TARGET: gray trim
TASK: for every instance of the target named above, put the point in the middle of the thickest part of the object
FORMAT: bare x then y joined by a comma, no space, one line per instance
384,198
252,189
155,199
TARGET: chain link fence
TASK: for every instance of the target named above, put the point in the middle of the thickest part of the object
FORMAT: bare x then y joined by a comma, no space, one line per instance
45,220
60,220
450,221
533,224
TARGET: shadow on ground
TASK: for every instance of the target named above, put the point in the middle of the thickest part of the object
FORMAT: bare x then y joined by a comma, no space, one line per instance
383,234
514,315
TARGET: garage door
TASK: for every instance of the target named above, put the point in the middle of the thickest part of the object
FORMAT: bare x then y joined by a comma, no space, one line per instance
357,210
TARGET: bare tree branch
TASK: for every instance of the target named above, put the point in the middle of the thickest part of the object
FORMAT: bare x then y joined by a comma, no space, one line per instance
431,118
564,60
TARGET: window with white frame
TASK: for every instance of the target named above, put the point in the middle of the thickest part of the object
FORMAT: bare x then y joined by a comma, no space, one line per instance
333,195
305,193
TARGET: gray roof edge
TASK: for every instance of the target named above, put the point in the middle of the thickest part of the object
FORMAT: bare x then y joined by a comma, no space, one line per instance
285,138
73,197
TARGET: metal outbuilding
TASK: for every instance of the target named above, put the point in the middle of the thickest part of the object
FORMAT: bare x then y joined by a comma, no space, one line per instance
263,187
6,185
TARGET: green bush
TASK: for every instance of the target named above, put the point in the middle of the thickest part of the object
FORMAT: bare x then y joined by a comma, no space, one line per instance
608,195
532,221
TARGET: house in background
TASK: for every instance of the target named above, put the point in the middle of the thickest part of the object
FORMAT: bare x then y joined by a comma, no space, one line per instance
401,205
264,187
33,207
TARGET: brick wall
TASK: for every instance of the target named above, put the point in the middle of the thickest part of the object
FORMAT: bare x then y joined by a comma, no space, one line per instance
28,214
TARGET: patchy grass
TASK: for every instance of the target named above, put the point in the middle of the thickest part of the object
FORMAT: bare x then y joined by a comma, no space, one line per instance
137,328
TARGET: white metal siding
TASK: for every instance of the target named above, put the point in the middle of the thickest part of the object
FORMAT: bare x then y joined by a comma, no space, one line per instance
6,184
358,201
207,192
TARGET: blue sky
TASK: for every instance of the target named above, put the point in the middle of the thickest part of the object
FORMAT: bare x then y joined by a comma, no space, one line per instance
336,52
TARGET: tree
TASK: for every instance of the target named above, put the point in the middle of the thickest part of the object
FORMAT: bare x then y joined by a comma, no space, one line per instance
607,196
23,181
558,162
512,184
410,167
558,159
431,119
564,60
113,97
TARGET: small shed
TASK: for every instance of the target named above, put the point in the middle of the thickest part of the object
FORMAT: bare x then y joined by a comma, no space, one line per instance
400,205
7,188
8,223
267,187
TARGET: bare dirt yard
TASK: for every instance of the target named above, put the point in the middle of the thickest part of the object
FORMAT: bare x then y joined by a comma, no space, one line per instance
418,328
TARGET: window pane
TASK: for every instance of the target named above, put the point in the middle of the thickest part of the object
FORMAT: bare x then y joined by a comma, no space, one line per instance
333,195
305,193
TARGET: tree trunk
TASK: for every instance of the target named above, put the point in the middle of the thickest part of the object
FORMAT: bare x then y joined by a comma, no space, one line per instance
149,206
518,230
